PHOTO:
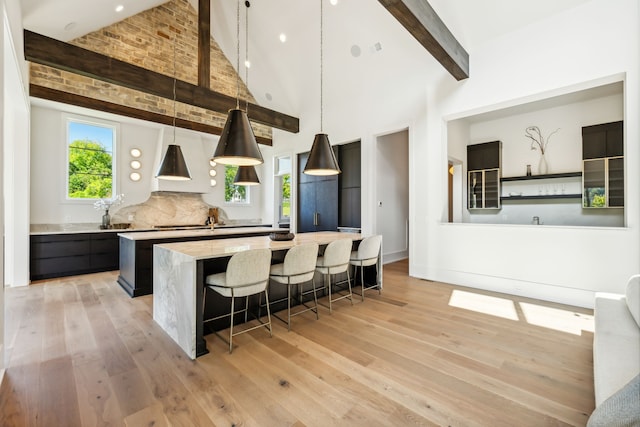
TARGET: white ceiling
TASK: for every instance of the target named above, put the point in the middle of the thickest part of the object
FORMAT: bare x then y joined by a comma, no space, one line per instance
289,73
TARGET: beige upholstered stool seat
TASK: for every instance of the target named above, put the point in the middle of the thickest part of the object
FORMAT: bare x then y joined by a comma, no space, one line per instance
366,255
247,274
297,269
335,260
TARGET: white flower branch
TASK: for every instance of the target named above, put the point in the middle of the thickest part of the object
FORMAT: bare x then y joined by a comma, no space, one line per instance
106,204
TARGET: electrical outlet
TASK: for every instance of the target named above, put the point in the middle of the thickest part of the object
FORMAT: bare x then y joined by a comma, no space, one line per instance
130,217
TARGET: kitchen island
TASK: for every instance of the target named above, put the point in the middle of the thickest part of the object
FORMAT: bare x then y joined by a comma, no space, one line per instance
136,251
180,269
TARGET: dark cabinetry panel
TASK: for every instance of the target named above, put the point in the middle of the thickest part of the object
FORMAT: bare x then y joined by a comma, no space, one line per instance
328,202
483,156
317,200
483,181
350,163
604,140
603,165
59,255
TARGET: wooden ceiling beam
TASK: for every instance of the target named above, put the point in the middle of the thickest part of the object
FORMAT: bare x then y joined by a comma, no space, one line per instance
204,43
57,54
50,94
423,23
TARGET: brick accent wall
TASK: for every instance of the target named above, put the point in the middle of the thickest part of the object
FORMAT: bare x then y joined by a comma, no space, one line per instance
149,40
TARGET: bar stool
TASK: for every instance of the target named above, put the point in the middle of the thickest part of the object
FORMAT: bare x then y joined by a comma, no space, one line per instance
298,268
366,255
335,260
247,274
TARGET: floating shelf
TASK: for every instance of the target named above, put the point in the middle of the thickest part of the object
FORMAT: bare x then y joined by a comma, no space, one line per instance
542,196
547,176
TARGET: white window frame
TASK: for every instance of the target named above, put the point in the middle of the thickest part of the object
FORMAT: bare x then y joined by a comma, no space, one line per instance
92,121
246,202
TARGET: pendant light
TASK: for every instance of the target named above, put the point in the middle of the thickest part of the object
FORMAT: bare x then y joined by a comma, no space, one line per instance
237,144
246,175
173,166
322,160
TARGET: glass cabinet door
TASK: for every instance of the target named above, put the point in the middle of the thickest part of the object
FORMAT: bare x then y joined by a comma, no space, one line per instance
491,188
475,190
616,181
594,184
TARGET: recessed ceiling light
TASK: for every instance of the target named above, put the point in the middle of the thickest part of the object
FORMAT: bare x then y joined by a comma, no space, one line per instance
70,26
283,37
333,2
119,8
355,51
247,63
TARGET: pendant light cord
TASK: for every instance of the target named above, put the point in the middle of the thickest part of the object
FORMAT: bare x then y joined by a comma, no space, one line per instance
321,68
246,54
238,56
174,88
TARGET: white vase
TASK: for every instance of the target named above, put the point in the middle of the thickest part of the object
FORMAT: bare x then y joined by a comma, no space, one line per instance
543,167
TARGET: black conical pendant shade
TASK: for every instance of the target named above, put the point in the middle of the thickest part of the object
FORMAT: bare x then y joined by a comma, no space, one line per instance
173,166
322,160
246,175
237,145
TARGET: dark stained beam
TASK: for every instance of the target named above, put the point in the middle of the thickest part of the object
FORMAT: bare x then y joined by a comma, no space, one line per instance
43,92
419,18
54,53
204,43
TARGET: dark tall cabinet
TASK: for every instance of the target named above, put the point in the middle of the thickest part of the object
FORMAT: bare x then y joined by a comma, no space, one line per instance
349,183
603,165
328,202
317,200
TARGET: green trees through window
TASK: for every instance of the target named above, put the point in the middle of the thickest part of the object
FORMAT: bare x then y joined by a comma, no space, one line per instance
234,193
90,160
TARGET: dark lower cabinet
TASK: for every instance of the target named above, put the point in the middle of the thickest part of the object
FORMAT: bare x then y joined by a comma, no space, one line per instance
59,255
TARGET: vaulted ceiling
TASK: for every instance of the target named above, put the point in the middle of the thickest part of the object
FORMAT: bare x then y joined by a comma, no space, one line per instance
360,37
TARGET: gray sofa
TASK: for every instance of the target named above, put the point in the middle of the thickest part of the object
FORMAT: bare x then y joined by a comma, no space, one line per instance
616,357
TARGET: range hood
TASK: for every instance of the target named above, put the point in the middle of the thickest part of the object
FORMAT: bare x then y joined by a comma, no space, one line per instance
196,149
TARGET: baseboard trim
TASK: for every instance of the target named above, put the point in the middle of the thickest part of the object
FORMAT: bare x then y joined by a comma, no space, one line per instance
542,291
394,256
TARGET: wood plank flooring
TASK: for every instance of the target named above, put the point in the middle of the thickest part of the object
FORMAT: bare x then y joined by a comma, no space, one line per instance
80,352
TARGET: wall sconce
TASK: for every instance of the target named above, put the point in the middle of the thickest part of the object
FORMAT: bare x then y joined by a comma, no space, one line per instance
135,153
212,172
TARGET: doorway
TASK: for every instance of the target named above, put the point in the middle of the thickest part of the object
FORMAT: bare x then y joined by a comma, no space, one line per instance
392,194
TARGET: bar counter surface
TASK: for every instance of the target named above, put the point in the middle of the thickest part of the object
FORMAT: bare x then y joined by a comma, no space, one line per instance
136,251
179,274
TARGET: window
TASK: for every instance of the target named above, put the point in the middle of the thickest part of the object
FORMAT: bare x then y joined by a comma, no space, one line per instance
234,193
285,197
283,188
90,154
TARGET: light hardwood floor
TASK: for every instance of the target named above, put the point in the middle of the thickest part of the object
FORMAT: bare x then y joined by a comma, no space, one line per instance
80,352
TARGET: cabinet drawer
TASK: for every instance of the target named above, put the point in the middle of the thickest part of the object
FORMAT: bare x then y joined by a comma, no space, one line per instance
51,267
105,245
58,248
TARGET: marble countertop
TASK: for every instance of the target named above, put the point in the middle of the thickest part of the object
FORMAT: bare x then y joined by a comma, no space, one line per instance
42,229
203,249
172,234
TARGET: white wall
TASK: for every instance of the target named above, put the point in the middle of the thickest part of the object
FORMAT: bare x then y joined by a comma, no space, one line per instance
587,46
16,176
48,151
392,194
11,23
